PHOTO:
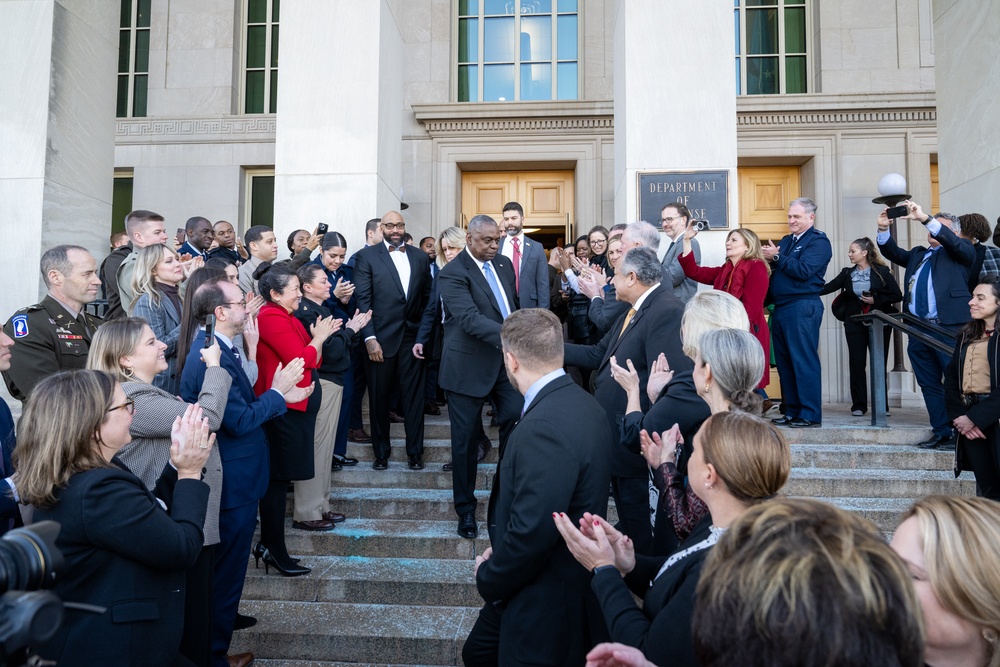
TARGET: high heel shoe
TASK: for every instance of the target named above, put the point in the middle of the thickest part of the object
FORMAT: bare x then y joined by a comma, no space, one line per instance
258,552
288,570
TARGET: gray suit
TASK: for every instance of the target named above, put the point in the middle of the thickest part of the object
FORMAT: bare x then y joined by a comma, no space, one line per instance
533,281
673,275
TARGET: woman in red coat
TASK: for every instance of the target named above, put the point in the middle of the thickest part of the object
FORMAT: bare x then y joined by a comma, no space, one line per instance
745,275
283,338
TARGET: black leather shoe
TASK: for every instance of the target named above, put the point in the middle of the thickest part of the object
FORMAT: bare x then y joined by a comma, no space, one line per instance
467,527
335,466
937,442
946,446
243,622
345,461
395,417
431,408
358,435
782,421
380,464
448,467
416,463
484,446
799,422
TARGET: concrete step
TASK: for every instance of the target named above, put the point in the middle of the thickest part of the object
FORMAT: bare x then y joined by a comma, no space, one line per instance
883,512
355,633
399,476
382,538
876,483
894,457
314,663
436,450
356,579
395,503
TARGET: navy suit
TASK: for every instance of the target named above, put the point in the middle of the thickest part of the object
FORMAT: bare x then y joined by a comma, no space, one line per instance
245,469
472,364
949,267
188,249
533,274
796,282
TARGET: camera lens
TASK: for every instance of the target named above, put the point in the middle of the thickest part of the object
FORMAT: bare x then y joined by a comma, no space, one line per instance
29,559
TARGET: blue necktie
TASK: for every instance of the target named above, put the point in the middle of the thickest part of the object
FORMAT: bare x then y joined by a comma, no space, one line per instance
236,353
921,304
495,286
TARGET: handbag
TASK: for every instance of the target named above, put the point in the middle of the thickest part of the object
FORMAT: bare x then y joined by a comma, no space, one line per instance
839,306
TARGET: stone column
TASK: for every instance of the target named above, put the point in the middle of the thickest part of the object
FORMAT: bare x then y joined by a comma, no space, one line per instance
338,135
57,134
675,101
967,70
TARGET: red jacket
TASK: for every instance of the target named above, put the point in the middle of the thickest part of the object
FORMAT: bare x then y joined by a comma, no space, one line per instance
747,281
282,339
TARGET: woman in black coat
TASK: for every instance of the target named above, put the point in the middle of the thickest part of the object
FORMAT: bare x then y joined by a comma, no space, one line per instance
865,286
126,550
737,461
972,391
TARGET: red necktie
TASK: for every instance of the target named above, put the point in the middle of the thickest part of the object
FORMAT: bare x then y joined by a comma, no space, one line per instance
517,264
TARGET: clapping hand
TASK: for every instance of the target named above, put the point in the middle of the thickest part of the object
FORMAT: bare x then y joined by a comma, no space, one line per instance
324,327
660,376
191,442
660,449
592,284
254,302
616,655
251,336
628,378
359,321
285,378
769,250
590,552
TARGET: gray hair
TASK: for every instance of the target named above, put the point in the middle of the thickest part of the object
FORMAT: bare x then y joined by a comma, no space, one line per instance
643,233
708,310
953,221
644,263
808,204
480,221
57,259
737,361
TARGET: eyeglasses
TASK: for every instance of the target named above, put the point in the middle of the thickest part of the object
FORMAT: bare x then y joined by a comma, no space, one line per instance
598,241
128,406
669,219
394,225
226,304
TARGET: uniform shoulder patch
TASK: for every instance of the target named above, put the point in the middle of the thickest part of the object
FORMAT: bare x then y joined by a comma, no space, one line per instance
19,323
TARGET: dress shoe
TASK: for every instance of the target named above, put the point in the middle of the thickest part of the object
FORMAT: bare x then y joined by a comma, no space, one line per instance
358,435
380,464
938,442
240,660
782,421
395,417
335,466
799,422
345,461
857,413
448,467
494,422
335,517
243,622
416,463
289,568
316,525
431,408
484,448
491,413
467,527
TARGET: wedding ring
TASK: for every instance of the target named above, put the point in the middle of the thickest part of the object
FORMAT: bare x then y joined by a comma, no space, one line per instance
202,446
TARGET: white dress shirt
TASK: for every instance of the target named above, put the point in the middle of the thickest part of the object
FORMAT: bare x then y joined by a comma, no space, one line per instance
503,292
402,264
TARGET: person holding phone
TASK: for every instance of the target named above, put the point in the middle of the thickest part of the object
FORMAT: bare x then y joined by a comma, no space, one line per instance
864,286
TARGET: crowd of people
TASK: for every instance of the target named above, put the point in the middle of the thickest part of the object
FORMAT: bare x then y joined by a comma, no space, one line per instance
220,376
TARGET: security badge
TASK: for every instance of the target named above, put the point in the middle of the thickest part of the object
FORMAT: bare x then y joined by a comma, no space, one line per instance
20,325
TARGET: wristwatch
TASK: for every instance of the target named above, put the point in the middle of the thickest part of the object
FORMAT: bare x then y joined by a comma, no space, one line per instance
924,222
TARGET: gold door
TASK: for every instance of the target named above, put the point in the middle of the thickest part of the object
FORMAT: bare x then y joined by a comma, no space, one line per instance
547,198
764,196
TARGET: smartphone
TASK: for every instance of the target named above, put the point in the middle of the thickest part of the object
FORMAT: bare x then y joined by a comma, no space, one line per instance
866,293
897,212
321,228
209,330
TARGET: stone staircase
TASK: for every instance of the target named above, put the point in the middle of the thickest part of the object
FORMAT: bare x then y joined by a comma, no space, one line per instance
393,584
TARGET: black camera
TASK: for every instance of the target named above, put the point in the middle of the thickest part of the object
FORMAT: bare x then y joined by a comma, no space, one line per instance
29,561
897,212
700,225
322,228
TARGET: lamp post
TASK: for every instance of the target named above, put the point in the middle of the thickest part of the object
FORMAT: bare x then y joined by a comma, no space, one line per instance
892,192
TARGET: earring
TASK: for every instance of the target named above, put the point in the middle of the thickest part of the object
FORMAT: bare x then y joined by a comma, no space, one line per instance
708,387
990,635
709,486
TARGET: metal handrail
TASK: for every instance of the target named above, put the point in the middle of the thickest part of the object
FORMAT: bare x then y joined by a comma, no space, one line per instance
911,325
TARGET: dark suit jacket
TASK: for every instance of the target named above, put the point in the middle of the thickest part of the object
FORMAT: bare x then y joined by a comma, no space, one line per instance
655,328
534,276
986,413
241,440
884,289
662,628
377,288
472,359
556,460
125,553
10,515
949,271
604,312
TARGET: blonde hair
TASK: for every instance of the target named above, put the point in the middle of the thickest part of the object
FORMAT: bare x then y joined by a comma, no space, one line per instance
113,340
143,280
753,245
57,433
750,455
797,582
708,310
454,237
960,537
